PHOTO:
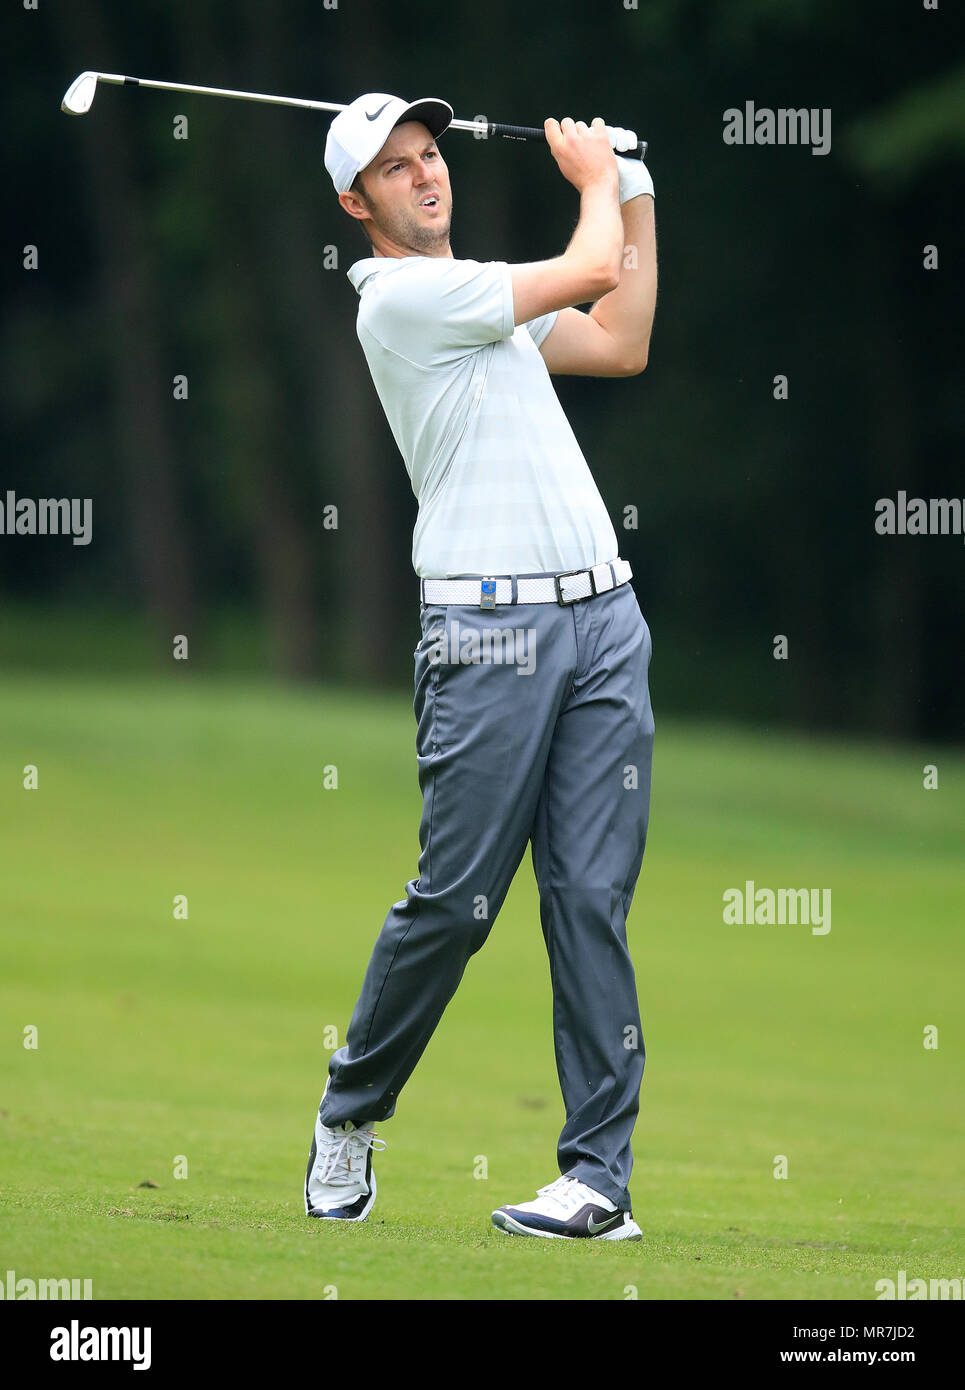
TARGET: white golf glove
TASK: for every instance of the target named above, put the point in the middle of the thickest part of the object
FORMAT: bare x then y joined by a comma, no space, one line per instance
634,177
634,174
619,138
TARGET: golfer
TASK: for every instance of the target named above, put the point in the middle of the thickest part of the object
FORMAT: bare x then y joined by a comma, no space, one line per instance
532,704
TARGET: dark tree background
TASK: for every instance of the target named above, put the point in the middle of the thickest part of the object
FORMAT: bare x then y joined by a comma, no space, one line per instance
212,257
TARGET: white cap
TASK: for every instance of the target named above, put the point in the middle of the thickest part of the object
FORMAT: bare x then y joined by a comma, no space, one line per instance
358,133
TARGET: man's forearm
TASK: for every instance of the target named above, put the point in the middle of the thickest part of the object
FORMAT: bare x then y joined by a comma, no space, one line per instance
599,236
627,312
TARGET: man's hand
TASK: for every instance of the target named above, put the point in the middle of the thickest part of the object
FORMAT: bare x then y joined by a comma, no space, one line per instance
584,153
590,265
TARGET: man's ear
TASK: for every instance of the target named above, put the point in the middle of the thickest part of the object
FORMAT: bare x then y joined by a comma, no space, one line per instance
353,205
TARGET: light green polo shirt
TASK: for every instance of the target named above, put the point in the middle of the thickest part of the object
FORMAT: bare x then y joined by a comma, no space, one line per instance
501,482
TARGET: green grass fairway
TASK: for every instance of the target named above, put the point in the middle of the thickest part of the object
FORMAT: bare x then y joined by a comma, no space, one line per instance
205,1038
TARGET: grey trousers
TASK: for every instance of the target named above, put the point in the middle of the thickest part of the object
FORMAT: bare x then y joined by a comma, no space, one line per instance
534,724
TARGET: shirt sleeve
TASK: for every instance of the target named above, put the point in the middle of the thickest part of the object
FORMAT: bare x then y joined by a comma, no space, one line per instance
539,328
434,309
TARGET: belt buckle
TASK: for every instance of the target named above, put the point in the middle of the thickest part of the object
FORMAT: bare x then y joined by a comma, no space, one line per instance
568,602
487,594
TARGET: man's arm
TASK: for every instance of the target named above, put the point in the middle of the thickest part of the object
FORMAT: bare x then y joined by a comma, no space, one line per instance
613,339
590,265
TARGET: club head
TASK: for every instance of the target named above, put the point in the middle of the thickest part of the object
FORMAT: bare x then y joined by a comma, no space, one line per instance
79,96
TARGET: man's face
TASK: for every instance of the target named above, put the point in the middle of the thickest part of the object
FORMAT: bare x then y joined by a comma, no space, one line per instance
410,201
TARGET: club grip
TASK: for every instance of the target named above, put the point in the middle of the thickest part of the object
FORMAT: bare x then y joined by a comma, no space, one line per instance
530,132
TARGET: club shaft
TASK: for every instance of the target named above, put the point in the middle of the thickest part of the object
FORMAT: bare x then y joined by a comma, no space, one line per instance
481,128
118,80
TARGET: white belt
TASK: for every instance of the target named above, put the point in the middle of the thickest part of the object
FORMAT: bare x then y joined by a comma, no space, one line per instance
490,591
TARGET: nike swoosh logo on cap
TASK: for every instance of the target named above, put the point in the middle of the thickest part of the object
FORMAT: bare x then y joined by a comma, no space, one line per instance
592,1226
377,114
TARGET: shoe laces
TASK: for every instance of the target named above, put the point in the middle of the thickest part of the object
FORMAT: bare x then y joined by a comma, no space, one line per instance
564,1191
343,1156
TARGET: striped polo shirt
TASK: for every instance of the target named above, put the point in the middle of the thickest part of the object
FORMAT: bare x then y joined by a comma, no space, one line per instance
502,484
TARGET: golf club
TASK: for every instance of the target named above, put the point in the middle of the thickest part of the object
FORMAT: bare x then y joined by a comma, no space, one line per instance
79,98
